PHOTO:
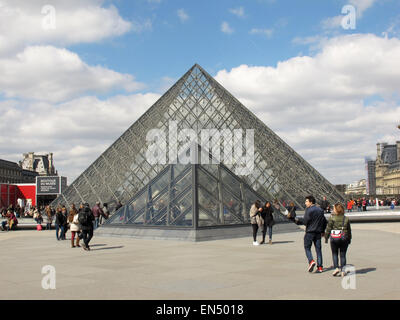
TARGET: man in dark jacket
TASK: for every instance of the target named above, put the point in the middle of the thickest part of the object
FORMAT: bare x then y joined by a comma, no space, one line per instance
85,220
325,205
315,223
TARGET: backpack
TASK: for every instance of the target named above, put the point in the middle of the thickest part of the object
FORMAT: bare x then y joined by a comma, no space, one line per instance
83,218
339,235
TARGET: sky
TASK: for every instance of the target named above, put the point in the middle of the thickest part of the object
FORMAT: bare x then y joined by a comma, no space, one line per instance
324,75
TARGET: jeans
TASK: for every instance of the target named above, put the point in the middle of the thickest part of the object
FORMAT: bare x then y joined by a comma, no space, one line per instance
309,239
60,236
335,247
96,222
269,229
87,236
48,226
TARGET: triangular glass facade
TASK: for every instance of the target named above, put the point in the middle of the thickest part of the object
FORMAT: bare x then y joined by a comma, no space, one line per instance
198,102
190,196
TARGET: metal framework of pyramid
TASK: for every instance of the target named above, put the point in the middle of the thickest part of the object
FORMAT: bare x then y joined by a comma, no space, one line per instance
197,101
191,195
189,202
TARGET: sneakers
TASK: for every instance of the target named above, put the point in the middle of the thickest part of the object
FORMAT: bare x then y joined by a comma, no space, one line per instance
336,272
255,243
320,270
311,266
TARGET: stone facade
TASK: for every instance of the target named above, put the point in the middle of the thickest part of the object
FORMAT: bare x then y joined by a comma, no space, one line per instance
387,169
42,164
357,188
11,172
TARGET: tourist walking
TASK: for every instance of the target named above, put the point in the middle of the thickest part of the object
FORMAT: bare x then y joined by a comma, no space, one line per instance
86,219
339,230
255,219
315,222
74,226
350,206
37,216
364,205
48,218
65,222
59,223
105,214
268,218
97,213
291,211
325,205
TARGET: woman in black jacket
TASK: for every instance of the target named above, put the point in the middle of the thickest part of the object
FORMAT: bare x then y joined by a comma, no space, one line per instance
59,224
266,214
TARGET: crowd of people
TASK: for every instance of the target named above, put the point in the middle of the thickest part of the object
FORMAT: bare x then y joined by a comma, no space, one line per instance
337,229
80,221
361,204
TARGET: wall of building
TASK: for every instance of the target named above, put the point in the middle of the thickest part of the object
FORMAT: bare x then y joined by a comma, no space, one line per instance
387,169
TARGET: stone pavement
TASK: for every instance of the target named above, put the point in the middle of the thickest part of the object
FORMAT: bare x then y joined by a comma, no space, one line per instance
123,268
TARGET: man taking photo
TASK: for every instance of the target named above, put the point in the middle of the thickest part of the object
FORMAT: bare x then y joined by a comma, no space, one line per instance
315,222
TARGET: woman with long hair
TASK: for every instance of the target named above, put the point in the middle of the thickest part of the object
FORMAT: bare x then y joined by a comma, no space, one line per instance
254,219
268,219
74,226
339,230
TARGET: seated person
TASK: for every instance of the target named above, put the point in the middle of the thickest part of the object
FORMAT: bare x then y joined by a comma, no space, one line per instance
11,223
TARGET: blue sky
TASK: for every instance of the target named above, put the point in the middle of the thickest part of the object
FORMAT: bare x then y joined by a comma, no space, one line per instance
74,75
171,46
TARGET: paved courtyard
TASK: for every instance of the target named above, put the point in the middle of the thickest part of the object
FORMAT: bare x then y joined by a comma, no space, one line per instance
123,268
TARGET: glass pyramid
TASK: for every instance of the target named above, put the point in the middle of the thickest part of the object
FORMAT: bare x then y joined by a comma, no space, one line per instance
190,196
123,172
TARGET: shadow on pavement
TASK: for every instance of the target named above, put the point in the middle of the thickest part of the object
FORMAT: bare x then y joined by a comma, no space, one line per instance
365,270
106,248
98,245
279,242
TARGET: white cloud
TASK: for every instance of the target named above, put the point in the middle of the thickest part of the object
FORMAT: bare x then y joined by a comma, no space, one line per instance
394,28
225,28
183,16
77,131
21,23
320,104
266,32
47,73
239,12
362,5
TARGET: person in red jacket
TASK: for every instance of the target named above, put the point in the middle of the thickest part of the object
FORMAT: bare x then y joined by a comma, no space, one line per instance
349,205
